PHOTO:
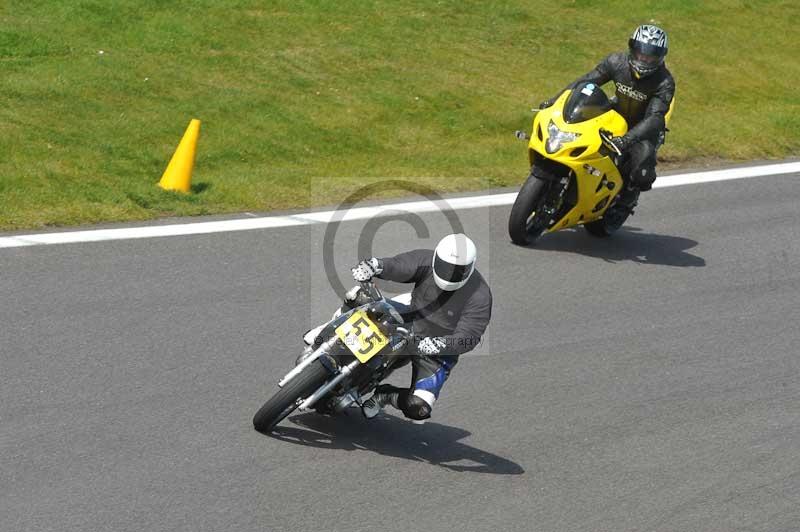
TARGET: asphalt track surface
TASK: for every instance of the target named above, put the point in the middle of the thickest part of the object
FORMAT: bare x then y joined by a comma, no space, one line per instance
647,382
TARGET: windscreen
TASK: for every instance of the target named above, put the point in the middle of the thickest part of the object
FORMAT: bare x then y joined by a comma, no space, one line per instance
587,101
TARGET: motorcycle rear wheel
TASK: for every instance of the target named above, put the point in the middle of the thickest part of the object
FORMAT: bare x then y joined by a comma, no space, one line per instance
523,226
286,399
608,224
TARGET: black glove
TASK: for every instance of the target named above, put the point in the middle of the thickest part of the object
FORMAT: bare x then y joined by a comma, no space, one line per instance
431,345
621,143
547,103
367,269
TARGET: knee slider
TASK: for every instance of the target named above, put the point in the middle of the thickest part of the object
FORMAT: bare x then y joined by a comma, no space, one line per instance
645,177
416,408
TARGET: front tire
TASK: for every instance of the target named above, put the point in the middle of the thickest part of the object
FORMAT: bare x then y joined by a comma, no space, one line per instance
286,400
523,225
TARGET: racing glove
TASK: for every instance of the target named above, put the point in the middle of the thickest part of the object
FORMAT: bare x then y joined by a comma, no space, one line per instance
431,345
367,269
621,143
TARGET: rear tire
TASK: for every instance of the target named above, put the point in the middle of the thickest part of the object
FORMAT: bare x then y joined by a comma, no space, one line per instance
521,226
607,225
285,401
610,223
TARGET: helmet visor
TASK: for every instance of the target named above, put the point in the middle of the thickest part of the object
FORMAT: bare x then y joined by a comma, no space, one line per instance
647,49
644,59
451,273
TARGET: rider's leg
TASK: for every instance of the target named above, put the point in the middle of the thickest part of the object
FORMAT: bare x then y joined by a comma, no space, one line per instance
638,172
427,379
640,167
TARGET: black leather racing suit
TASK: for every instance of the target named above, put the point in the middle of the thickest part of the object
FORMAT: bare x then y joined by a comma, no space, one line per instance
643,103
459,317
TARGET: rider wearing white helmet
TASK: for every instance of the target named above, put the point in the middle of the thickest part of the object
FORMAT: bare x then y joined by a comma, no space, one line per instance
451,305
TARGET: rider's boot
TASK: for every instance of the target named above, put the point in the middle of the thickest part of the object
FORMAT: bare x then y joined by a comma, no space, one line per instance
385,394
628,198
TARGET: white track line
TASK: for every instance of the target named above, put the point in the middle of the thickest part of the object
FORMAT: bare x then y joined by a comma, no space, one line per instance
359,213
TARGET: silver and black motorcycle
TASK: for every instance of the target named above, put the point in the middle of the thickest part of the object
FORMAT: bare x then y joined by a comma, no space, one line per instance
348,357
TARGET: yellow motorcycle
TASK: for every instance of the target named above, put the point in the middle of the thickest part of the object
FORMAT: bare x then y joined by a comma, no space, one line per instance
574,178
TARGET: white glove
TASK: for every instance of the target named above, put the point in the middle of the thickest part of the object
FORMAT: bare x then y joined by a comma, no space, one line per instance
366,270
431,345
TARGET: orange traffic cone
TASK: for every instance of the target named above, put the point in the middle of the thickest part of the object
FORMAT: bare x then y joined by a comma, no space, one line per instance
178,175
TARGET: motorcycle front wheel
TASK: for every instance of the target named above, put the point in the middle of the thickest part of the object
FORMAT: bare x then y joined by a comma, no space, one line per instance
523,225
288,398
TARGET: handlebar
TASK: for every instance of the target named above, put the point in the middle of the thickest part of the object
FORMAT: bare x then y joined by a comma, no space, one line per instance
606,137
375,294
372,290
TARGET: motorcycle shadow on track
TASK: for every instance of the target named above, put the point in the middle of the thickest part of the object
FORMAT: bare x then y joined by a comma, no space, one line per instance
433,443
629,243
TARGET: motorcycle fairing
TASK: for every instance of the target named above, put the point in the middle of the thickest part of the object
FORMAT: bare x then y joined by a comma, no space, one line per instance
584,159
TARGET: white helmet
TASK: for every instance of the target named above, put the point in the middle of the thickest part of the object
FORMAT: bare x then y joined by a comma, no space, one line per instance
453,261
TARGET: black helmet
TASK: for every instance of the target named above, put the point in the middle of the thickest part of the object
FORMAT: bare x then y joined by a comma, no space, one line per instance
647,48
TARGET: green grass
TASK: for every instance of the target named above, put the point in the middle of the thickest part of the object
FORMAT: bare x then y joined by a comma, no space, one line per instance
289,91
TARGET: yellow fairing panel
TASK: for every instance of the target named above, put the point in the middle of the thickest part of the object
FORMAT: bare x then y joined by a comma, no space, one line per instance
669,111
598,181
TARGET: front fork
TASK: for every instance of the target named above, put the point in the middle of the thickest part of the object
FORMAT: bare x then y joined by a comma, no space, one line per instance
554,200
344,372
323,349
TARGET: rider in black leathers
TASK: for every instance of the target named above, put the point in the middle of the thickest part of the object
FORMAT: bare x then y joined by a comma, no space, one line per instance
644,94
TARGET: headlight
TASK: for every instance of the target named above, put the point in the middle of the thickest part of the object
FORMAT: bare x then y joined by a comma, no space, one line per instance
556,138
